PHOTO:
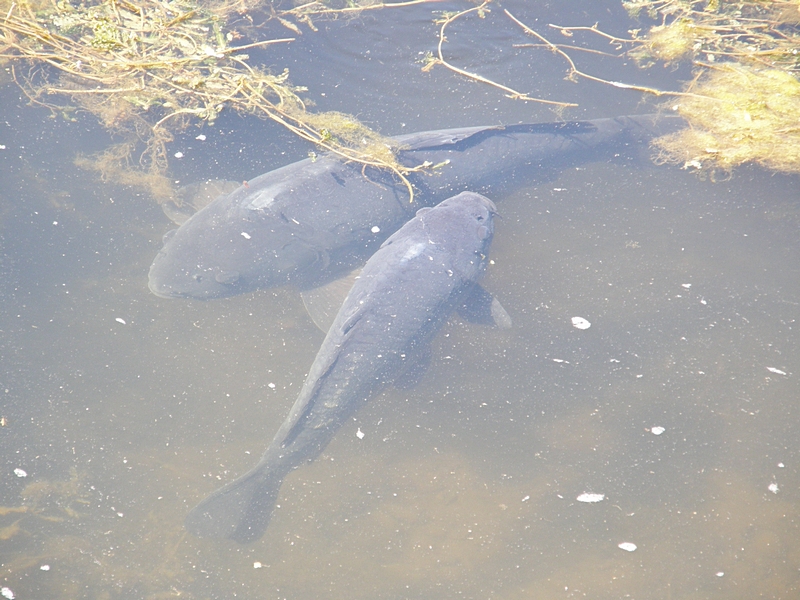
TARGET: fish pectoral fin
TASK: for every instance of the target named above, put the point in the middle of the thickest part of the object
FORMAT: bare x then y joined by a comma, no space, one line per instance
323,303
483,308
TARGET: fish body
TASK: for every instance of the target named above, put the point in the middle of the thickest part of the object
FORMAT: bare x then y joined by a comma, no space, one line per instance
404,294
310,221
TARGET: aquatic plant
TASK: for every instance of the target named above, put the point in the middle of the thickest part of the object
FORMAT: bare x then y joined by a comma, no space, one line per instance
150,68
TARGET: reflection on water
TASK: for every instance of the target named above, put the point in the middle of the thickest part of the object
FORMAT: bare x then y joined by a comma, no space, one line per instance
124,409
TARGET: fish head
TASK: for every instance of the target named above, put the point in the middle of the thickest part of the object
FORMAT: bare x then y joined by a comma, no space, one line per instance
464,226
227,249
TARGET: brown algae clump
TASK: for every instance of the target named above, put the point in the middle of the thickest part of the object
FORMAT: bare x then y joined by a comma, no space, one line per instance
148,69
739,114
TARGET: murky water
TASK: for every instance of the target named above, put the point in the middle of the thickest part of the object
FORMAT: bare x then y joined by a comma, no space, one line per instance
466,486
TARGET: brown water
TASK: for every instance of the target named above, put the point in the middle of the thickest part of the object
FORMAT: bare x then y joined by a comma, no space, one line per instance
466,486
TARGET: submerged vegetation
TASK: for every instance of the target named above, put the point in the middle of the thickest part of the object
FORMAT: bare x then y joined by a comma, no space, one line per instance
148,69
743,105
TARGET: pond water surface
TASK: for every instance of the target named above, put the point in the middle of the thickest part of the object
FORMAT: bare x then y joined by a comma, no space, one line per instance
124,409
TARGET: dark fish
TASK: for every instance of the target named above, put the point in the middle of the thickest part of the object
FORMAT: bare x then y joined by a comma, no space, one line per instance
404,294
311,221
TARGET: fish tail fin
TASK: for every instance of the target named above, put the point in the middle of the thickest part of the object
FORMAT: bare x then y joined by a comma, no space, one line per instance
240,511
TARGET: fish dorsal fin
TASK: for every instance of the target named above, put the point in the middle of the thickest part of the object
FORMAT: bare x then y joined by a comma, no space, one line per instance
323,303
442,137
193,197
483,308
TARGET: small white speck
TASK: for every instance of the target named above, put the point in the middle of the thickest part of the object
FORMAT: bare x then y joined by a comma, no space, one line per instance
686,285
781,465
657,430
526,498
178,155
245,235
375,229
118,320
703,301
773,487
580,323
20,473
587,497
201,137
776,371
120,515
360,434
256,565
2,146
720,573
7,593
55,222
559,189
271,385
44,568
627,546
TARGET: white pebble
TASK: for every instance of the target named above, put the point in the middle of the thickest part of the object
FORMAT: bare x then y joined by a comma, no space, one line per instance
587,497
271,385
657,430
245,235
375,229
360,434
20,473
201,137
773,487
781,465
580,323
118,320
627,546
178,155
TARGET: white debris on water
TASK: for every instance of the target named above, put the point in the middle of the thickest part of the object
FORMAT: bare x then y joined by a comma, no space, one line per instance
375,229
720,573
773,487
201,137
776,371
657,430
271,385
686,285
360,434
580,323
588,497
256,565
627,546
245,235
20,473
781,465
118,320
7,593
44,568
178,155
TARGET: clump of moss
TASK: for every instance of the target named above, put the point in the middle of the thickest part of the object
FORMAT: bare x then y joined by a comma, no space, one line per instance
668,43
739,114
744,102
